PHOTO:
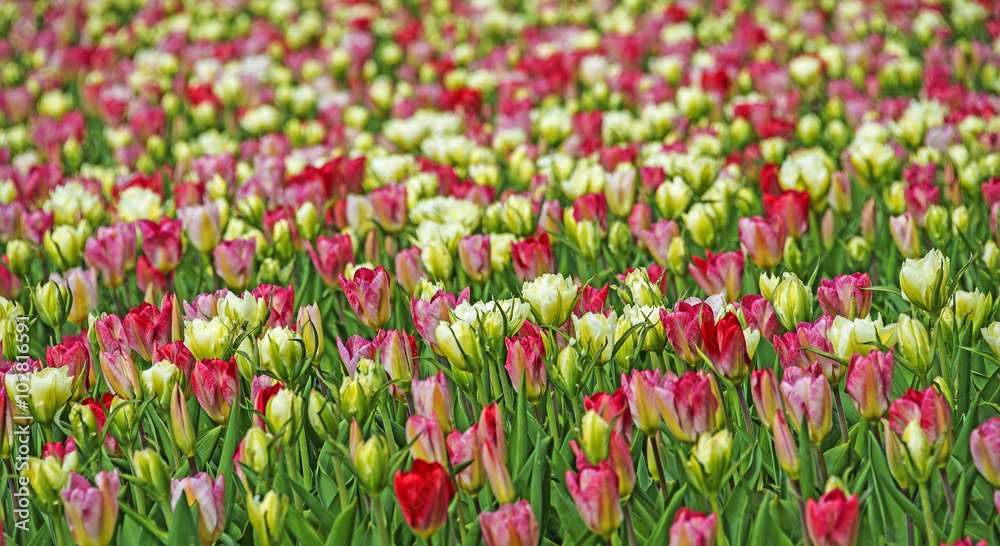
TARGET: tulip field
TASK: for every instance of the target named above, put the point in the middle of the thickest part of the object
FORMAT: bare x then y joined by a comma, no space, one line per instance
500,272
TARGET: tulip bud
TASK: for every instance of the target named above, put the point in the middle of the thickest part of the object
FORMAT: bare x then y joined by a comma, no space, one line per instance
858,249
899,464
354,399
924,282
48,391
905,234
150,469
268,517
983,442
937,221
18,256
568,370
784,446
596,435
159,380
792,301
310,327
370,461
914,344
709,462
86,430
53,302
840,193
620,238
284,414
181,427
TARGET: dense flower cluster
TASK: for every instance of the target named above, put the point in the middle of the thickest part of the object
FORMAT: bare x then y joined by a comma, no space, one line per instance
500,272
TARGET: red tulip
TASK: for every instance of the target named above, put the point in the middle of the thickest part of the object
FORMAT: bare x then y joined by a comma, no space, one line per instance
968,541
511,525
595,492
689,405
151,282
833,520
215,385
474,254
919,197
234,262
34,224
111,251
526,366
985,444
683,330
145,328
495,466
692,528
591,300
640,389
120,374
719,273
331,256
807,393
766,397
760,315
389,207
75,355
792,207
162,243
397,354
846,296
658,238
491,429
869,384
725,346
430,443
763,241
178,354
531,257
464,447
368,294
424,495
613,408
10,284
280,301
930,409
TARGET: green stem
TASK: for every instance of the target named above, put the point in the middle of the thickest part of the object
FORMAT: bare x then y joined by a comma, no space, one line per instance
745,409
628,524
925,500
304,453
338,474
388,431
840,414
293,475
802,511
383,530
481,390
661,477
713,502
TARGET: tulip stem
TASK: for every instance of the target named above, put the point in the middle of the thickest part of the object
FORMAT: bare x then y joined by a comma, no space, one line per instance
659,466
304,451
713,502
553,414
802,511
483,396
821,461
746,411
383,531
192,465
948,494
840,414
338,474
925,500
628,524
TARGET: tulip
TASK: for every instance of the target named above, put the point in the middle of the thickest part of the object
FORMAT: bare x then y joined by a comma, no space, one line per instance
612,408
253,452
765,392
206,339
719,273
162,243
92,512
234,262
526,366
111,251
496,319
905,234
437,260
309,326
74,355
692,528
53,302
432,399
427,314
710,458
792,300
181,427
640,389
807,393
966,311
595,492
846,296
151,470
389,207
283,412
159,380
50,474
834,519
203,225
409,270
82,285
923,421
763,241
532,257
495,467
474,255
647,318
658,239
924,282
281,353
869,384
427,439
368,294
689,405
785,446
211,499
792,207
464,447
726,346
568,370
759,315
596,335
215,386
460,344
511,525
424,495
48,390
146,327
683,330
331,256
267,516
848,338
985,444
370,463
490,430
552,298
914,344
63,244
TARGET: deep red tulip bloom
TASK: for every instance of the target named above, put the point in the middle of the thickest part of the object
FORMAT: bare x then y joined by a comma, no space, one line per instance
792,207
215,384
145,328
331,256
869,384
73,354
719,273
591,300
846,296
280,300
919,197
531,257
725,346
833,520
692,528
162,243
424,494
369,293
683,330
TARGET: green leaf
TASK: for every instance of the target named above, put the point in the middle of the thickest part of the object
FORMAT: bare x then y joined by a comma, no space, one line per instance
145,522
343,527
541,483
184,526
207,443
759,534
226,464
519,449
319,511
962,504
807,481
299,527
661,532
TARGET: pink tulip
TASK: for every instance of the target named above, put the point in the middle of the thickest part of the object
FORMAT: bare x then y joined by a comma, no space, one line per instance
211,499
930,409
591,300
202,224
760,315
409,269
120,374
526,366
111,251
692,528
464,447
428,314
689,405
621,462
595,492
846,296
215,385
34,224
331,256
807,393
511,525
151,282
613,408
354,350
280,300
423,495
474,254
397,353
719,273
619,191
369,293
765,392
640,389
73,354
906,235
919,197
92,512
985,444
638,220
109,333
432,399
10,284
763,241
833,520
683,330
389,207
429,445
531,257
725,346
234,262
495,466
178,354
869,384
792,207
658,238
146,328
491,429
592,207
162,243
